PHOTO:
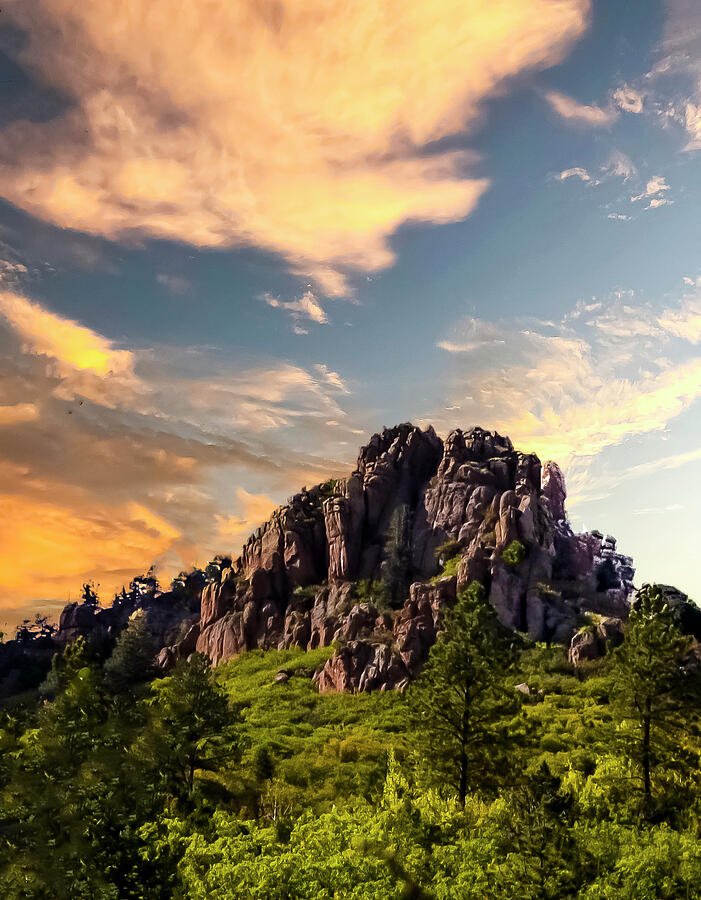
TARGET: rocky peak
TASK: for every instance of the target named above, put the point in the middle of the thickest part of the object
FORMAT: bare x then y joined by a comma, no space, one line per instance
358,561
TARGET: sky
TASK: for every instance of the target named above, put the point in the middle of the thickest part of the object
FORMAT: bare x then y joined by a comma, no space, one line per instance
237,238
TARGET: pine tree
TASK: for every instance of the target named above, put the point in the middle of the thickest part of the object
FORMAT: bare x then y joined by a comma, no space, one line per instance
192,725
461,705
655,697
131,661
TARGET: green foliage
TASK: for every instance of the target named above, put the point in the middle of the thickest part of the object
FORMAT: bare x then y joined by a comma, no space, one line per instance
448,550
656,698
308,592
325,748
462,709
449,568
227,783
374,591
192,726
514,554
329,488
131,662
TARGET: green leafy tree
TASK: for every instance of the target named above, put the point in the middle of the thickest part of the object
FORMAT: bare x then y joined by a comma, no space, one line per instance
192,725
461,705
655,697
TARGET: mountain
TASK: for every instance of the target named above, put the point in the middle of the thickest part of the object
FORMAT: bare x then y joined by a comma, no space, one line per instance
371,561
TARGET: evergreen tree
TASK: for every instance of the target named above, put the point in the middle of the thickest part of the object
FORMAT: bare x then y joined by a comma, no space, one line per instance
461,705
89,595
131,661
192,725
655,697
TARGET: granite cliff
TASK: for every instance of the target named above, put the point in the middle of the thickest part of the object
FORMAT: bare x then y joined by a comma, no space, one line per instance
371,561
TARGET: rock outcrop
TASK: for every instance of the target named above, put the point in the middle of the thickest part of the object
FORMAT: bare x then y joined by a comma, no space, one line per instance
596,640
371,562
357,561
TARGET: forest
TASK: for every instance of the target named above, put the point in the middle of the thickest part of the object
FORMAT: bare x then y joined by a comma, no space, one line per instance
502,771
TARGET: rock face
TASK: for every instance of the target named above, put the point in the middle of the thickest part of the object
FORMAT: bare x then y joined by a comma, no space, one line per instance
595,641
357,561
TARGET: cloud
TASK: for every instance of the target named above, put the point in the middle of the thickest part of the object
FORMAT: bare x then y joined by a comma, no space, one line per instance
474,334
568,393
176,284
306,307
578,114
167,464
681,48
654,510
666,462
18,412
303,129
692,121
619,217
656,202
68,344
654,187
620,166
684,322
577,172
255,510
628,99
48,549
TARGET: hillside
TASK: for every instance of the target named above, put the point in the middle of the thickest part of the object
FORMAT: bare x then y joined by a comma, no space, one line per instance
543,740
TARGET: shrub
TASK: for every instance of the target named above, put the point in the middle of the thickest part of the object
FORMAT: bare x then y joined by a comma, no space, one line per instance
514,554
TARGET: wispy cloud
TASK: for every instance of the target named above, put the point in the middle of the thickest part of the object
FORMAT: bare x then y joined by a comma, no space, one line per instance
620,166
69,344
169,455
258,140
18,412
590,382
580,114
653,193
176,284
628,99
306,307
254,510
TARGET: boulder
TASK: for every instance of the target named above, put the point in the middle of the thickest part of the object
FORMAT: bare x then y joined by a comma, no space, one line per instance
595,641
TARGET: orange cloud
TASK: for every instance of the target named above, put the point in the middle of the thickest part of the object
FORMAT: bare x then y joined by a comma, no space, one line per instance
71,345
18,412
48,549
256,509
296,126
180,438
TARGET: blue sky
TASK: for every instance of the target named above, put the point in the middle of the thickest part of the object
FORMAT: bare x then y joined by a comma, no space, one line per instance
218,280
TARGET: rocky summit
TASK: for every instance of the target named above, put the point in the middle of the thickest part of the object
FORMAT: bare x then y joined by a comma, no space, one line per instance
370,562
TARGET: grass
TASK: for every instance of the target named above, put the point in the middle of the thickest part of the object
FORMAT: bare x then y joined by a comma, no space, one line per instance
325,747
